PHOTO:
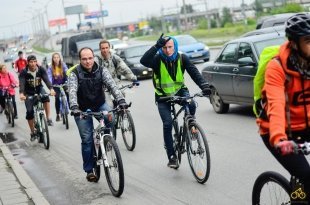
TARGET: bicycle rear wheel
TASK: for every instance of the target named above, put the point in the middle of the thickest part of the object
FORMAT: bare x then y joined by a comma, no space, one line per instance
114,172
128,130
45,137
271,188
198,153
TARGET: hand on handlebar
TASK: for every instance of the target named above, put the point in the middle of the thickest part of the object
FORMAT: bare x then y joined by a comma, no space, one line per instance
22,97
52,92
286,147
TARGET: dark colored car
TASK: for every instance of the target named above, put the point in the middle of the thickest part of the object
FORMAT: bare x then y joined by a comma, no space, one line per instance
132,55
274,20
231,74
195,50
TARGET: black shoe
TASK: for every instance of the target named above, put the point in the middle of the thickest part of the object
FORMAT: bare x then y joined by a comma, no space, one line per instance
173,162
49,122
16,117
32,137
91,177
57,118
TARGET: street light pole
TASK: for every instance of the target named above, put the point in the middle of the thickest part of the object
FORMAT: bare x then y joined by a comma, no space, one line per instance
102,21
185,15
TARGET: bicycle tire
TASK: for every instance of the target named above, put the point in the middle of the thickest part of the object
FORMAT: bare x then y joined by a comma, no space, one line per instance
97,167
130,128
111,146
115,126
11,113
64,111
271,179
176,140
201,153
44,133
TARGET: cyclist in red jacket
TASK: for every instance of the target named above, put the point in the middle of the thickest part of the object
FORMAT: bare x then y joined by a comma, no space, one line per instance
20,63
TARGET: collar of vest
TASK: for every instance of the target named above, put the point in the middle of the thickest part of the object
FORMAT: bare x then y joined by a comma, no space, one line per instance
95,68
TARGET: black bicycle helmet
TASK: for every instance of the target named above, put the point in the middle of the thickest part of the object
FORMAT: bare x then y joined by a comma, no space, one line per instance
31,57
297,26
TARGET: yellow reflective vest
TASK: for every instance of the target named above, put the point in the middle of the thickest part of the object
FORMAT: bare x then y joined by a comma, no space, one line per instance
164,84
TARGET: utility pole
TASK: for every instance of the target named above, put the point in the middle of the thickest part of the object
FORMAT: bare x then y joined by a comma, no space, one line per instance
207,14
102,21
163,25
185,15
243,13
178,17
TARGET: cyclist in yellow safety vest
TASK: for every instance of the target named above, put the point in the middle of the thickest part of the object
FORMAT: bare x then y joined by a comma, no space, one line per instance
168,79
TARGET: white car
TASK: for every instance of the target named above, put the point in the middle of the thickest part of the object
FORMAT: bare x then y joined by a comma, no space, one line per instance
117,43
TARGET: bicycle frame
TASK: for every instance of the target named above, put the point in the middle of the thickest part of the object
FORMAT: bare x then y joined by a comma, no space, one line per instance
99,134
187,118
38,111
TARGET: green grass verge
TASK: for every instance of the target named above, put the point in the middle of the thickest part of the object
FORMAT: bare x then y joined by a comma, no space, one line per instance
212,37
41,49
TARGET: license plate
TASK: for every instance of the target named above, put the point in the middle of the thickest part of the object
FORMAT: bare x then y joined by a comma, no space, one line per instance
196,55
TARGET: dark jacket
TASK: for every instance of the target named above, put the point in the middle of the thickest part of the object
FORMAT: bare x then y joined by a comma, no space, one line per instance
85,88
30,86
152,60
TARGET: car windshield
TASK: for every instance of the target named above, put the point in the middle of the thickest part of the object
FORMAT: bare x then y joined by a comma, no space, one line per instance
115,42
259,46
136,51
93,44
185,40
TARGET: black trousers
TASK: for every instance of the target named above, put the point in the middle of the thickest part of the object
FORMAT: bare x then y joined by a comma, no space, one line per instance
296,164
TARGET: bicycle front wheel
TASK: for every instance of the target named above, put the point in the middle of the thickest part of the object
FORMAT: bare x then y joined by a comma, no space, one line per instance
271,188
114,172
45,137
11,114
128,130
198,153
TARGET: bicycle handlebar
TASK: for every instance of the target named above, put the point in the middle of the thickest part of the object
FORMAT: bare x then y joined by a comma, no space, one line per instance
37,96
303,148
179,99
60,86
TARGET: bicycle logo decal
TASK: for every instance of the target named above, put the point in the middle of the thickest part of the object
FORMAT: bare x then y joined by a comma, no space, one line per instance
298,194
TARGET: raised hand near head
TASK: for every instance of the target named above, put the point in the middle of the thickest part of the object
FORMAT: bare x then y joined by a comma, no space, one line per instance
161,42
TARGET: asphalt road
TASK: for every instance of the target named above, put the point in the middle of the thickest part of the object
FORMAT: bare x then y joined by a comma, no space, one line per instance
238,156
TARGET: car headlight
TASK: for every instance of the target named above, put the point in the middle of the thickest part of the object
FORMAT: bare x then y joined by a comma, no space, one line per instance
206,48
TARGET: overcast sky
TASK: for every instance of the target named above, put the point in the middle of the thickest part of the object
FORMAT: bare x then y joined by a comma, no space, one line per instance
16,14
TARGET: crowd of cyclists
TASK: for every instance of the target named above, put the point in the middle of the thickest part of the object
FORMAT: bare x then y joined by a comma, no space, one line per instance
285,93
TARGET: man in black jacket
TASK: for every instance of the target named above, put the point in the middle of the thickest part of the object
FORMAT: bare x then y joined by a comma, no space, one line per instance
168,80
30,80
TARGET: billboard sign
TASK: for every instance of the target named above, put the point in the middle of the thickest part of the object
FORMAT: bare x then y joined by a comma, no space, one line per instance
95,14
57,22
78,9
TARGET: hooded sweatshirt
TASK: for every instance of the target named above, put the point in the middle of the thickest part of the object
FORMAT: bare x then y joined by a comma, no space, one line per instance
298,91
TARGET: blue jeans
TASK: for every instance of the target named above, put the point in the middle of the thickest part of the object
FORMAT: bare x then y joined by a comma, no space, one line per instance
86,128
164,109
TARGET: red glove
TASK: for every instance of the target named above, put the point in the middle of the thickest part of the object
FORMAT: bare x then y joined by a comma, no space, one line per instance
285,147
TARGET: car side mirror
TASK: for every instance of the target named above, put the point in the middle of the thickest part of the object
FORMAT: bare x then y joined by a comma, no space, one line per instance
246,61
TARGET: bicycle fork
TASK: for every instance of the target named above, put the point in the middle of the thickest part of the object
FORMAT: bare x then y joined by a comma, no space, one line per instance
104,161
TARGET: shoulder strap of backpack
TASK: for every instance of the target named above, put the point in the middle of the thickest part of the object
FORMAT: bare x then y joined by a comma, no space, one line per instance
114,61
287,109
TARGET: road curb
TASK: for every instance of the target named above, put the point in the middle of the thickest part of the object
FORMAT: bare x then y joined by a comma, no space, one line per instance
23,178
